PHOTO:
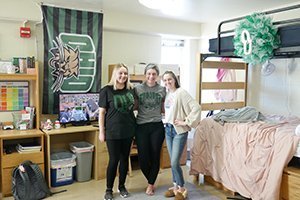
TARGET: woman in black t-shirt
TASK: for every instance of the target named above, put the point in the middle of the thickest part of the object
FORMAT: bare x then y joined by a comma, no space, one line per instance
117,127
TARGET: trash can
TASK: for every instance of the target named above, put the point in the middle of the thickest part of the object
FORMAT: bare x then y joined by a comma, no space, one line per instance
84,158
62,168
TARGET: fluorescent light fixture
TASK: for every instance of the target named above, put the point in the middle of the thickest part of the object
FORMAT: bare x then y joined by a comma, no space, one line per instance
171,7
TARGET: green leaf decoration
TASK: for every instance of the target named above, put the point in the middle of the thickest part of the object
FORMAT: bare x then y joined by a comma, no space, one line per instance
263,35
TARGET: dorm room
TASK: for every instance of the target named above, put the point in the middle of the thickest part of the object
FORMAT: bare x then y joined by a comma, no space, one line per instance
248,156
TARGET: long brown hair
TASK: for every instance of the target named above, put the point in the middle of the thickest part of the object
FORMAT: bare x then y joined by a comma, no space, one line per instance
173,76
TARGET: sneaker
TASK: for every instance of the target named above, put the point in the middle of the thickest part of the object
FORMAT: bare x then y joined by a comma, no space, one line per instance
123,192
108,195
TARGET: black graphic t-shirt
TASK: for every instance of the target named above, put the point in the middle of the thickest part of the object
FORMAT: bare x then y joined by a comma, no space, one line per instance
119,117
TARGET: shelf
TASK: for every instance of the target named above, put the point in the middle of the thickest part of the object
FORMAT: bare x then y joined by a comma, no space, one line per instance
15,134
137,77
14,159
71,129
18,77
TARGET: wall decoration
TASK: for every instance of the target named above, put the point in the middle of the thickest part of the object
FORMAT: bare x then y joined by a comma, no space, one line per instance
255,39
73,53
14,95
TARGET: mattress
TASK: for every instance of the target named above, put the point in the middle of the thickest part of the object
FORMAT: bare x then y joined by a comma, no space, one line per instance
289,37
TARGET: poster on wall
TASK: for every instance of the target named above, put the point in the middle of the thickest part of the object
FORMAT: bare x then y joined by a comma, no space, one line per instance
72,53
14,95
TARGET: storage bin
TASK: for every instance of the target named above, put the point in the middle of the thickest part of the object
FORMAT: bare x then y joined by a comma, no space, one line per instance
84,154
22,121
62,168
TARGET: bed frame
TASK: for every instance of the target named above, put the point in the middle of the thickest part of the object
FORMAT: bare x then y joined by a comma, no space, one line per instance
241,85
284,51
204,64
222,46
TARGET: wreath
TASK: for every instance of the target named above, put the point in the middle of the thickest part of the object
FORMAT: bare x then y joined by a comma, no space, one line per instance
255,39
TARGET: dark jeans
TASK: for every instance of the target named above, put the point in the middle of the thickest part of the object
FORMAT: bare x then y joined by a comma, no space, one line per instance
149,139
118,151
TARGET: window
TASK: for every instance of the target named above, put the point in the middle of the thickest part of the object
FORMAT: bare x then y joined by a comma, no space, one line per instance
172,51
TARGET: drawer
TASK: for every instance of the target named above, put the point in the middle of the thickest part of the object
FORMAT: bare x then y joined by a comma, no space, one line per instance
14,159
290,185
7,178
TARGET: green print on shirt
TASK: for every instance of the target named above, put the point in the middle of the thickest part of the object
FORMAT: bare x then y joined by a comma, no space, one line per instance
124,102
150,100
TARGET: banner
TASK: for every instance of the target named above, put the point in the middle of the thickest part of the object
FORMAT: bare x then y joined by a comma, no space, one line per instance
72,53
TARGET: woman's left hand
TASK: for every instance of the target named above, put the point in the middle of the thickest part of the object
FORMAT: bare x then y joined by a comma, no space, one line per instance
179,122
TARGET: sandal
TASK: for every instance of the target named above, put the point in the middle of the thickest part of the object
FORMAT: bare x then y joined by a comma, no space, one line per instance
150,190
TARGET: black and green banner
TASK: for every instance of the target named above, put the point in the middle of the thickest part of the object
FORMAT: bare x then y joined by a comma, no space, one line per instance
72,53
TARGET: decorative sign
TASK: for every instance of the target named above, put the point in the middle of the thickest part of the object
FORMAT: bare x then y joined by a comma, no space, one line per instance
14,95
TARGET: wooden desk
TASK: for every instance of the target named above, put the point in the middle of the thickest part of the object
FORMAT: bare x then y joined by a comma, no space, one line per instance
290,183
57,139
11,160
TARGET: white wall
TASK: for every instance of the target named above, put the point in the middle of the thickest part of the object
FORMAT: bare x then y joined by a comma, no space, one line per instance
129,48
277,93
126,38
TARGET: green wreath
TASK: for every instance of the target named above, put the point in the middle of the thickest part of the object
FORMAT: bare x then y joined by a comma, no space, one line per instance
255,39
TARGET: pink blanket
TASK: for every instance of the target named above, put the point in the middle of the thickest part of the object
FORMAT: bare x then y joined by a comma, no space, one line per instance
247,158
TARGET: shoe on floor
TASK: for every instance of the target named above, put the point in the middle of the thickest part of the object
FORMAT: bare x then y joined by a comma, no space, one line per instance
150,190
169,193
108,195
123,192
181,195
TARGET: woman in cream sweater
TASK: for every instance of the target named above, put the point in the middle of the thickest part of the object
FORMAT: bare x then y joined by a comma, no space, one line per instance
182,113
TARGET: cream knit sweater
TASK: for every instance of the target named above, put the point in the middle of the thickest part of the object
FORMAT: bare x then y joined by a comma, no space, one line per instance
185,108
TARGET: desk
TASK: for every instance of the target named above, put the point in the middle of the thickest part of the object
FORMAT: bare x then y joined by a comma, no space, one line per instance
290,183
11,160
57,139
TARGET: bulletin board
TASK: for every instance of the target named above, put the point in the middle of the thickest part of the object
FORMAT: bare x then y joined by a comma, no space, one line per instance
14,95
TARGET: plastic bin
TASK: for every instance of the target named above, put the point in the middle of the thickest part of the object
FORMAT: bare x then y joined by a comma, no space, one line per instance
84,154
62,168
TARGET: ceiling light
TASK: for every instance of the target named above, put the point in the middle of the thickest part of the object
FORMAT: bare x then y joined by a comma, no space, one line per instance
171,7
153,4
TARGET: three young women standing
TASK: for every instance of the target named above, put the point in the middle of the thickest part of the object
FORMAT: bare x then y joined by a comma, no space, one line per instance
150,135
117,127
181,113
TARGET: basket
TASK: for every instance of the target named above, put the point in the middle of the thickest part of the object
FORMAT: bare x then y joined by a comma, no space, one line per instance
22,121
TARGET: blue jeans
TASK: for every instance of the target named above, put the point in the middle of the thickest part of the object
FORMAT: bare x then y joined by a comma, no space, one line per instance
175,144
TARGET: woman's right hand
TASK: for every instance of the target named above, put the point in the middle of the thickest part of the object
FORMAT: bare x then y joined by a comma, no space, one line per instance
102,136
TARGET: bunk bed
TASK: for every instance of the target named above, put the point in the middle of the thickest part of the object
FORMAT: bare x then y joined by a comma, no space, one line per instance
288,30
216,147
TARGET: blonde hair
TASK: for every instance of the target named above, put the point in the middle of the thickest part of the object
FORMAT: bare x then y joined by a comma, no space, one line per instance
113,80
